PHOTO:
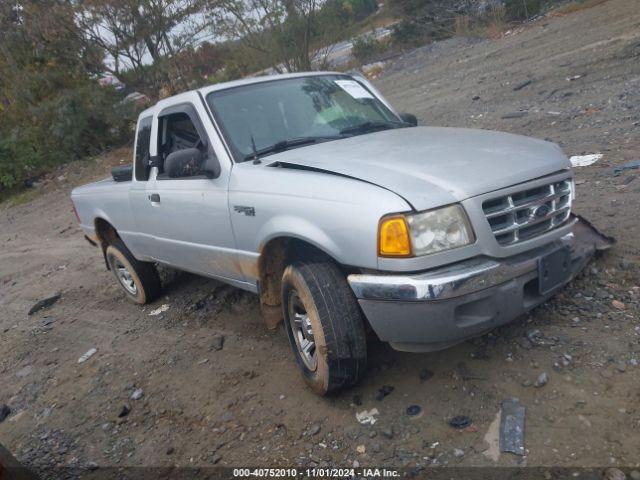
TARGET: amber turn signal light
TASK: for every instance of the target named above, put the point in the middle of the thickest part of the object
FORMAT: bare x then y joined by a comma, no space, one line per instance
393,238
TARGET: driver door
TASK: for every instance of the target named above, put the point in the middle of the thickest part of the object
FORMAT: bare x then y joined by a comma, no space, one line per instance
189,216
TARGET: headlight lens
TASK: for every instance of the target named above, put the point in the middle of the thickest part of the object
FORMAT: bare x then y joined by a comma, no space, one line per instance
427,232
440,229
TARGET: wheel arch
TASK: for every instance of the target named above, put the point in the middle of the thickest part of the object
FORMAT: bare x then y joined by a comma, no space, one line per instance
275,255
106,234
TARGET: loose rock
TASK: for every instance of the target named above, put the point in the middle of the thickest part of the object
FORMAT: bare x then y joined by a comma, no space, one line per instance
414,410
614,474
542,380
137,394
383,392
460,422
618,304
217,343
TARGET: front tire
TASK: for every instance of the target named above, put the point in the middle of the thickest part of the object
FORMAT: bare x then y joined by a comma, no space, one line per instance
324,325
139,280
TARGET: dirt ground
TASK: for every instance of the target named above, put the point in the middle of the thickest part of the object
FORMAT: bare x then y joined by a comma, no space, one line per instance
244,404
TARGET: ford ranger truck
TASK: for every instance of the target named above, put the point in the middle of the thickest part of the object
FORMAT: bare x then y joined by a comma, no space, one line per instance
342,214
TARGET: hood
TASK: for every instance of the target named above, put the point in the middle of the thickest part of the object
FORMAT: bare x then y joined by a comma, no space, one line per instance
432,166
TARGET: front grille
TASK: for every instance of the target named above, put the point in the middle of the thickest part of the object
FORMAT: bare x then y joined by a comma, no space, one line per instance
528,213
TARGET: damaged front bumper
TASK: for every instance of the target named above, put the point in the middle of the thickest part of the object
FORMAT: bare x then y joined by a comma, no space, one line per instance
436,309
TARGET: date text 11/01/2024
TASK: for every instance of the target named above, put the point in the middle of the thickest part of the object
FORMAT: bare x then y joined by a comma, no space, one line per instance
316,472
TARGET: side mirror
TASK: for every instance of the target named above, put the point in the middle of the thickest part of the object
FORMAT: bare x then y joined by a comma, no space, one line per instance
409,118
183,163
212,167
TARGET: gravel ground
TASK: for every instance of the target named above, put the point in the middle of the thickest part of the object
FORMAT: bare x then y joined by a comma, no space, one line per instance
205,383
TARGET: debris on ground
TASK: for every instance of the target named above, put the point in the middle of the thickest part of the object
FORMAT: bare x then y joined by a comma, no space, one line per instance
414,410
425,374
514,115
634,165
124,411
521,85
87,355
542,380
159,310
44,303
585,160
383,392
367,417
512,427
460,422
356,400
314,430
618,305
137,394
217,343
614,474
5,411
458,452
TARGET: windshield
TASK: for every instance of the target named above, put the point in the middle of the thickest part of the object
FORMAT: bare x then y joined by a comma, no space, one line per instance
267,117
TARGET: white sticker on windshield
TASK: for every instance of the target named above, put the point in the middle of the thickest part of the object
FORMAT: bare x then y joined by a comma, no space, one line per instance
353,88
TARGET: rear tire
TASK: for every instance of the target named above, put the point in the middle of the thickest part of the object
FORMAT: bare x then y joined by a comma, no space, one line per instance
320,309
139,280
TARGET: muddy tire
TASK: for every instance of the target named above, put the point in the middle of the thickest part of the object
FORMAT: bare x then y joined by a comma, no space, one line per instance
324,325
139,280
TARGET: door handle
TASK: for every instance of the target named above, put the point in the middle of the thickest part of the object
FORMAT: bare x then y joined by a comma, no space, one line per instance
154,198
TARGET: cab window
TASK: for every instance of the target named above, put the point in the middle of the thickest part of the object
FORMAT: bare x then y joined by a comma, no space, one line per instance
177,131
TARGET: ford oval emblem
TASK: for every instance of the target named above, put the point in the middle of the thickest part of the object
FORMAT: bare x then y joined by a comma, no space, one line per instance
541,211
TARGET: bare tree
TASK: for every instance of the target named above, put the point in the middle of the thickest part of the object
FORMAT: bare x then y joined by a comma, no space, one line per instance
288,33
135,33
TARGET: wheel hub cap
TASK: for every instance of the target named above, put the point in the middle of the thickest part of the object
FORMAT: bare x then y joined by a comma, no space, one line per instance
125,278
302,331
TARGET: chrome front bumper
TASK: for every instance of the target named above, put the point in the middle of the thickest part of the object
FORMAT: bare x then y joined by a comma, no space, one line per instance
435,309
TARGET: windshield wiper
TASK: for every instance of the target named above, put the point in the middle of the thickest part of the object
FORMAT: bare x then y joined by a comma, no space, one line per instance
283,145
371,126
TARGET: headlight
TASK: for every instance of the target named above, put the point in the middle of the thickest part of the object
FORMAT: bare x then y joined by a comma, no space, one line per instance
424,233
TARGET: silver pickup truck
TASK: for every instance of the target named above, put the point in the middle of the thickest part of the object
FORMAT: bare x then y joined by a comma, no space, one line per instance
341,214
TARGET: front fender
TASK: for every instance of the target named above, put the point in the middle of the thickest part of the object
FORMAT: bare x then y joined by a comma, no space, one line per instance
300,228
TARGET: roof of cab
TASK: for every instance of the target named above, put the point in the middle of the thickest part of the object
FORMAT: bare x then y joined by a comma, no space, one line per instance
165,102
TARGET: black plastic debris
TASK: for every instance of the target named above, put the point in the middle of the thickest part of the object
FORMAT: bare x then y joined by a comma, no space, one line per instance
44,303
383,392
125,411
414,410
357,400
634,165
521,85
460,422
425,374
512,427
5,411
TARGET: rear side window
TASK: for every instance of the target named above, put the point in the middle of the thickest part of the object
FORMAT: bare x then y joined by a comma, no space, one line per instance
143,140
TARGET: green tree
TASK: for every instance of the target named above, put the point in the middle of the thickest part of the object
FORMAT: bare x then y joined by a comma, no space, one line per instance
51,109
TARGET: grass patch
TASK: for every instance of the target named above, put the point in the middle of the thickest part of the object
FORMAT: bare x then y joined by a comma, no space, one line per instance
19,198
